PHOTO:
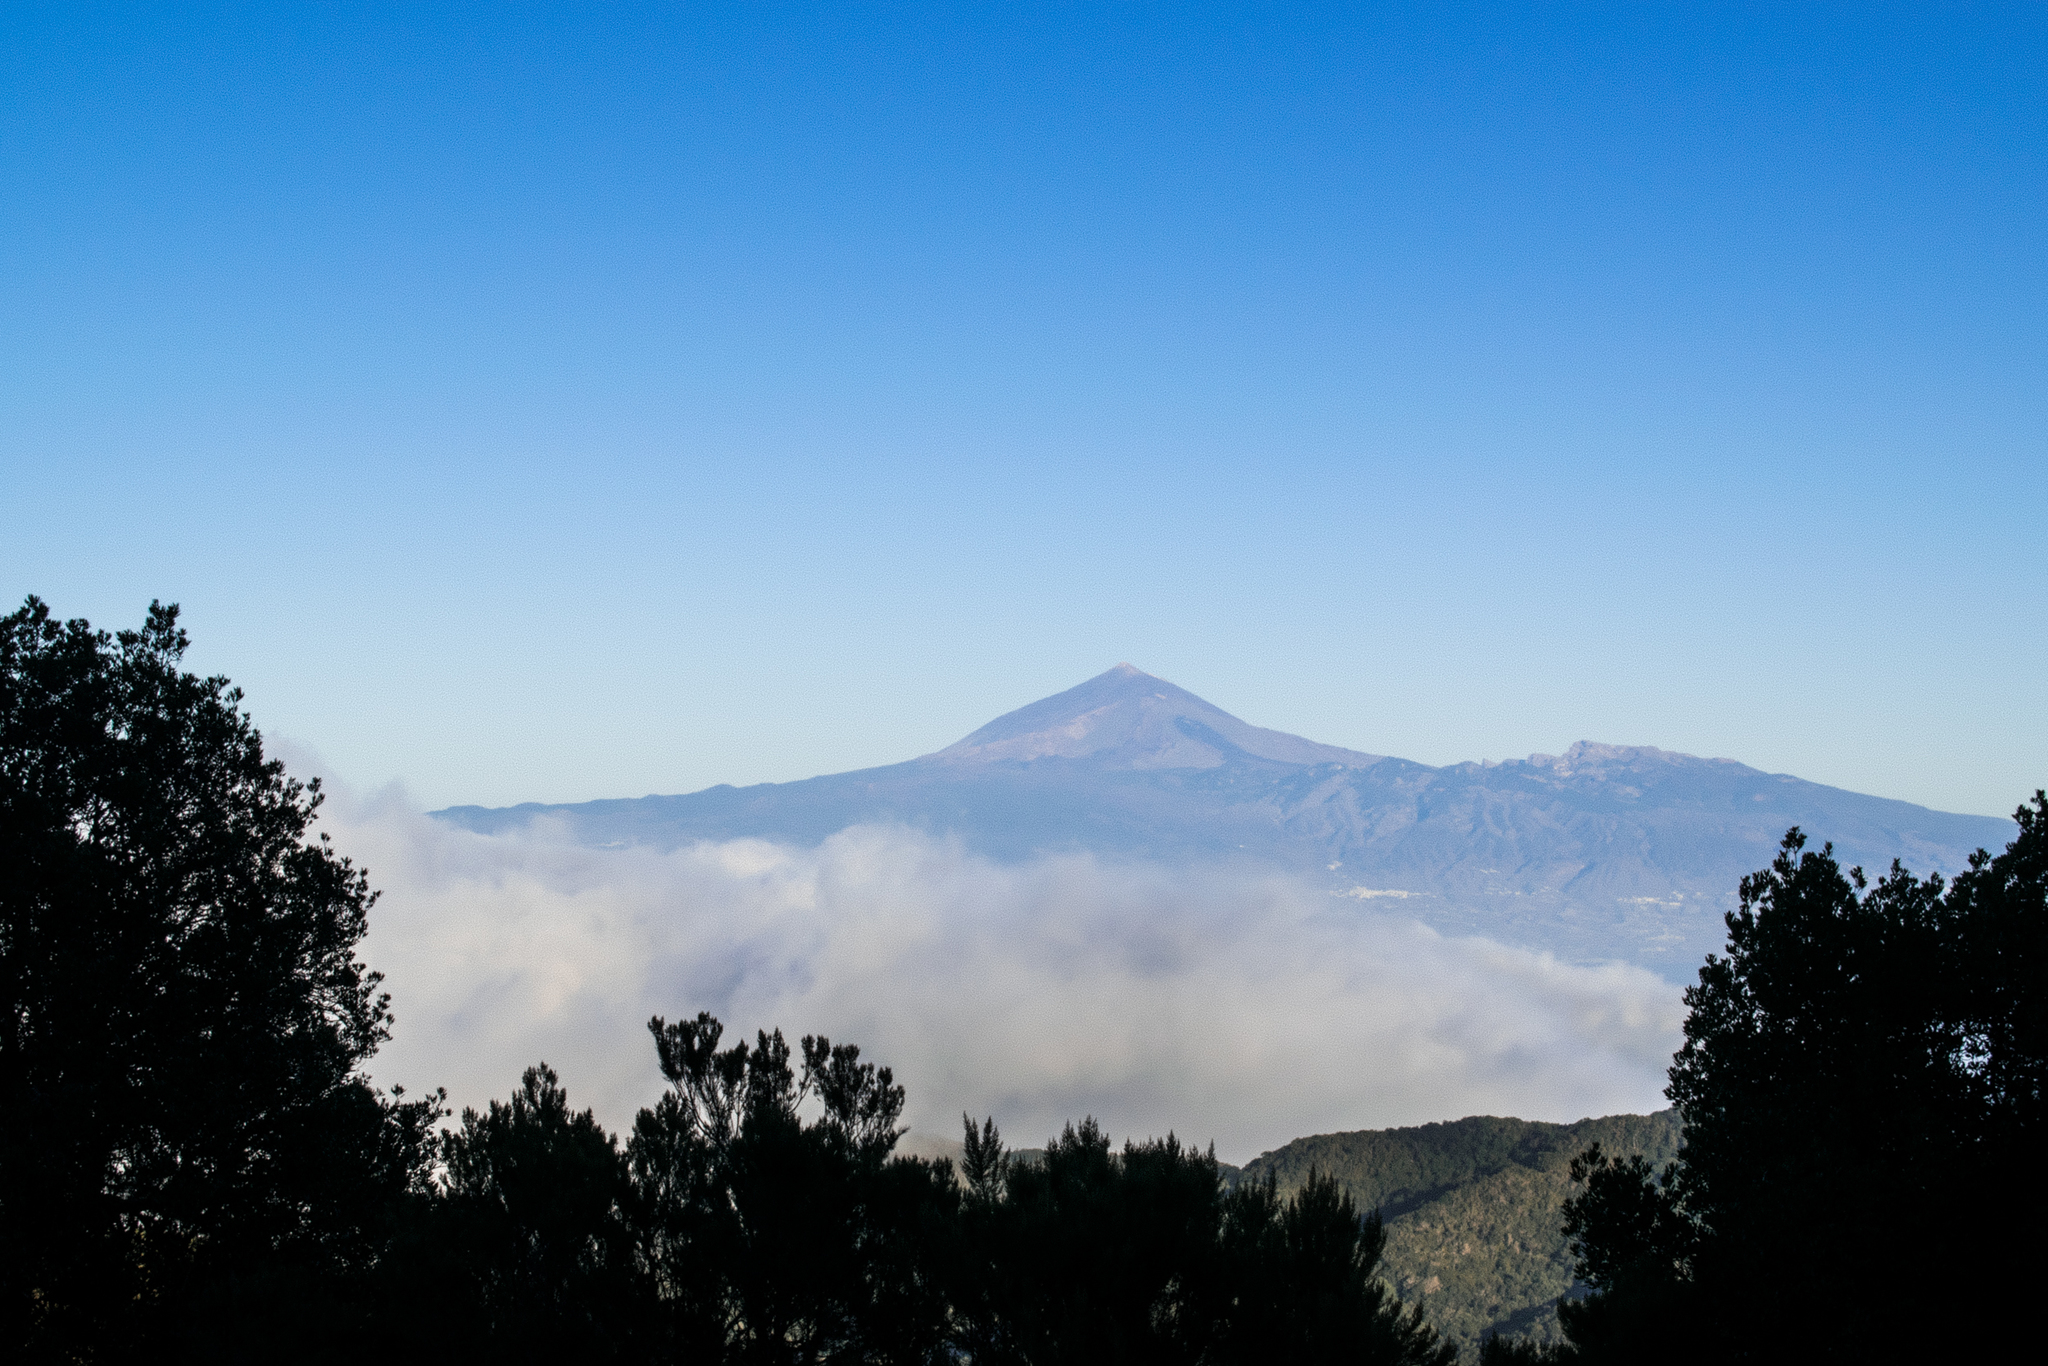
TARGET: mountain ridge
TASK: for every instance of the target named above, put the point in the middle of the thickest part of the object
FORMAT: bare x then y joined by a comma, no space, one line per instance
1603,852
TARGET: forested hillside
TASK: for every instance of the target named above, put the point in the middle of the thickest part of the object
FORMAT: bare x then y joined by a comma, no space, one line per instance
1473,1208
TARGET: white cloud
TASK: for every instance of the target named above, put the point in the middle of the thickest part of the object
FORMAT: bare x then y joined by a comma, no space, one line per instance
1244,1009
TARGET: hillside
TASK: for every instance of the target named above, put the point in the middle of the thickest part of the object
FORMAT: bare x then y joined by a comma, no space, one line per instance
1603,852
1473,1208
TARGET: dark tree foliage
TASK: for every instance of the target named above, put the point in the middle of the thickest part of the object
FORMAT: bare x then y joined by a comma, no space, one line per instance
1625,1226
769,1239
1496,1350
1088,1255
1094,1256
1862,1088
528,1249
1304,1286
195,1167
189,1143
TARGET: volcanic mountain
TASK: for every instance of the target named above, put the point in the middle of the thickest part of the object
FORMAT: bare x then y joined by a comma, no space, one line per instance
1604,852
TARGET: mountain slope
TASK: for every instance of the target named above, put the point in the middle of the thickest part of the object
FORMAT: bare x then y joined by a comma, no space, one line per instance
1128,718
1473,1208
1603,852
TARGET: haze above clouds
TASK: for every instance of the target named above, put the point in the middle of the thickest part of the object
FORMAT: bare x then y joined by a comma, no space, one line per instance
1240,1009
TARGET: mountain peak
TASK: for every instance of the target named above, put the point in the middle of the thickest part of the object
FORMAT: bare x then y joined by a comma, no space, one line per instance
1127,718
1591,759
1601,852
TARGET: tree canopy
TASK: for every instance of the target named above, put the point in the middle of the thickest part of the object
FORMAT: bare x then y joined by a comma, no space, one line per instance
185,1019
1861,1085
195,1164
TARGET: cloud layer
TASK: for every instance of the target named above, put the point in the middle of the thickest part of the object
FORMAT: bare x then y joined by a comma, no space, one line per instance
1240,1008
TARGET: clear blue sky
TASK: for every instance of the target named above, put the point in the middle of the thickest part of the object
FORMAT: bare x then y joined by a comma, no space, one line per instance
550,404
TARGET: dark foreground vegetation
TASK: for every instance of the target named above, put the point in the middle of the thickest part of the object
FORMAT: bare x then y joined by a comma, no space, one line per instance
193,1164
1861,1090
195,1167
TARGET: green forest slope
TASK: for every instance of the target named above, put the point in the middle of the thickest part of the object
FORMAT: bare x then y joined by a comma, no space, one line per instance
1473,1208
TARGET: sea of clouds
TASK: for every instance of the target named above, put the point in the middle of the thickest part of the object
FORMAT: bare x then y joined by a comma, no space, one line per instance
1228,1006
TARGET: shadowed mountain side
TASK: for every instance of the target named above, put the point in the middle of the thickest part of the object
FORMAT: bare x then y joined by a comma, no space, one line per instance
1604,852
1474,1208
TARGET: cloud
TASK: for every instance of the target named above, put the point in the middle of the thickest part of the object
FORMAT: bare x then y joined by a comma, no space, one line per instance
1223,1005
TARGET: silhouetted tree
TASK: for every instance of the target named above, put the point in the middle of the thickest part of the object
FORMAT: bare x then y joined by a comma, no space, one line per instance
775,1240
527,1253
975,1284
1497,1350
1304,1285
1141,1256
1861,1082
1092,1255
189,1141
1633,1242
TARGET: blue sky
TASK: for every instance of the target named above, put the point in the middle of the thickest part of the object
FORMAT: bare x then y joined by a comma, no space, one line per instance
549,404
